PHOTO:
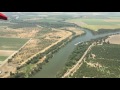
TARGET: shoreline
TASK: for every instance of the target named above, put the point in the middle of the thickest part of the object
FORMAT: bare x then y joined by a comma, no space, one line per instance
42,61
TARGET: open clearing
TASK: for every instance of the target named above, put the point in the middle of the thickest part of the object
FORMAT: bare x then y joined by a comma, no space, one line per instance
96,24
6,52
26,32
114,39
2,58
11,43
115,17
112,20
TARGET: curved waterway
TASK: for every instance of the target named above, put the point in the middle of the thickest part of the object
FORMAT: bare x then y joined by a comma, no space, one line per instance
55,64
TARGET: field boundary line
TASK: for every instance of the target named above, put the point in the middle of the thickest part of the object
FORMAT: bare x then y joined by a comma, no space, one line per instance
6,60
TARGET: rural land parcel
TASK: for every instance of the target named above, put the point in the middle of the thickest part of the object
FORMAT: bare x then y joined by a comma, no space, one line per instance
9,45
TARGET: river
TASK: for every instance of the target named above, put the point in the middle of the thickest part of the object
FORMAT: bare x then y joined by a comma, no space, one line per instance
55,64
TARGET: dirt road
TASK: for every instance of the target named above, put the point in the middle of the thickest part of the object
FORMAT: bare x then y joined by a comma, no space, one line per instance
78,64
5,61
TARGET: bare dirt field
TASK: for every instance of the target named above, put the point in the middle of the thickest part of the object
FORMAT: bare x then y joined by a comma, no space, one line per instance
6,52
5,70
78,23
75,67
19,33
112,20
114,39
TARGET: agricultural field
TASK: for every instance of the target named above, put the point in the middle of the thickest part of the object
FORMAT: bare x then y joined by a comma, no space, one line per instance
103,62
49,19
11,43
117,17
9,46
42,33
96,24
2,58
113,39
19,32
43,39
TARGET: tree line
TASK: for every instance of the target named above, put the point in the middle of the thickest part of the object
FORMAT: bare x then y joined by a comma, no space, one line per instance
48,53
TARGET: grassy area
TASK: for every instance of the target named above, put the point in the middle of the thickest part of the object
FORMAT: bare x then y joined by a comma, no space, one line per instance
2,58
96,21
50,19
74,57
96,24
27,69
97,27
11,43
106,63
92,21
115,17
107,51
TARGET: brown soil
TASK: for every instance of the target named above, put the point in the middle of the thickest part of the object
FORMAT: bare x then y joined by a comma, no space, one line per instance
112,20
5,70
114,39
90,64
20,33
6,52
76,30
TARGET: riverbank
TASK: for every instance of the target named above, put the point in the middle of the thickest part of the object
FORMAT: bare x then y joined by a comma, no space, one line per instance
43,56
78,64
72,64
73,58
102,61
58,61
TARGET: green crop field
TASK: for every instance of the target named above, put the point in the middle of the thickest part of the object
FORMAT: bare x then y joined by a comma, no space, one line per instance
107,60
11,43
2,58
93,21
97,27
96,24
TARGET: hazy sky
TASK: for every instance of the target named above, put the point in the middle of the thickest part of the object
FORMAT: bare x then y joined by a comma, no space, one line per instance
66,13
